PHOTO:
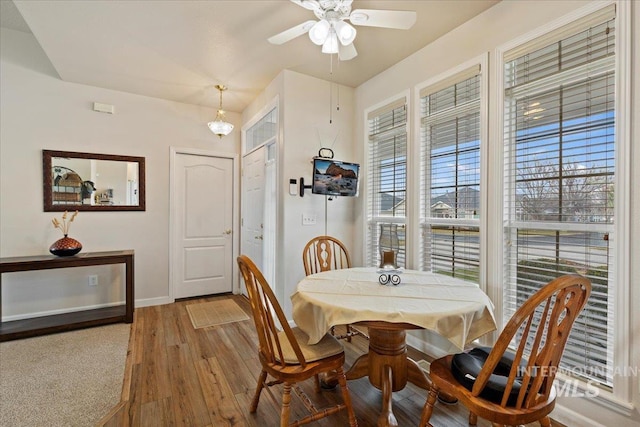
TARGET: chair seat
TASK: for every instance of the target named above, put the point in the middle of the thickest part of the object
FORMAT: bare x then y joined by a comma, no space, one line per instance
481,379
328,346
441,374
466,367
285,355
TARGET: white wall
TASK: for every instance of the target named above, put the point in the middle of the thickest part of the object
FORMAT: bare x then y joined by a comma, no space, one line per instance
304,129
39,111
481,36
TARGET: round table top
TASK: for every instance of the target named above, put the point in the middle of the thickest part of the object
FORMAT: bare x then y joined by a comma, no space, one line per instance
454,308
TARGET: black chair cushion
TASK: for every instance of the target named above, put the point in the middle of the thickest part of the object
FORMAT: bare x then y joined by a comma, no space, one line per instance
466,367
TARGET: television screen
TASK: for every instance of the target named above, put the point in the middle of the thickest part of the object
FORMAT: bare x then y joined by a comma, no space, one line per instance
335,178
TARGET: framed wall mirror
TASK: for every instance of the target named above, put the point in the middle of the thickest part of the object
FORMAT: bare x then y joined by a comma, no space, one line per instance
92,182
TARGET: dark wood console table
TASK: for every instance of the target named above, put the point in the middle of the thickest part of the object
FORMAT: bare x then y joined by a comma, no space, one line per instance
24,328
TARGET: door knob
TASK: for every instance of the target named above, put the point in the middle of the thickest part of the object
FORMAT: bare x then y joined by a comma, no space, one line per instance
227,231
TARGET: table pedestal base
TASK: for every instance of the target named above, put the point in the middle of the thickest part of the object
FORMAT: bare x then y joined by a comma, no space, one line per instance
388,368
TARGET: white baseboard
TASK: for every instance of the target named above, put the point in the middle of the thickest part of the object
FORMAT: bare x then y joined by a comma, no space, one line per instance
138,303
58,311
569,417
425,347
148,302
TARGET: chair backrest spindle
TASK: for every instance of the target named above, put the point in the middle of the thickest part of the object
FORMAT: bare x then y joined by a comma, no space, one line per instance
324,253
540,328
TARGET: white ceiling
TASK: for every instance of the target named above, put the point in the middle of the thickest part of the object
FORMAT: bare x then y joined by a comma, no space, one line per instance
179,50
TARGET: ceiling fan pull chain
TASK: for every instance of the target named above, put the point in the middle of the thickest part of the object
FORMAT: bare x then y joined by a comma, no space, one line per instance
331,90
330,102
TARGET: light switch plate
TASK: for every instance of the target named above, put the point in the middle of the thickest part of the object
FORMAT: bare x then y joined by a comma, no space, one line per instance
308,219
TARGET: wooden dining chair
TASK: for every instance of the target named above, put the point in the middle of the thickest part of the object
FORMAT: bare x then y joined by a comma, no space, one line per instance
285,355
513,388
324,253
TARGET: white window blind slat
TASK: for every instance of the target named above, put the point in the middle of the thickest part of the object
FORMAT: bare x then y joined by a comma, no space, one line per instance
566,31
382,112
450,175
263,131
387,182
451,80
560,178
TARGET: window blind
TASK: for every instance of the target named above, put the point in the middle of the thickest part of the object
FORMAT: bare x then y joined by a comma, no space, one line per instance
387,182
559,176
450,176
263,131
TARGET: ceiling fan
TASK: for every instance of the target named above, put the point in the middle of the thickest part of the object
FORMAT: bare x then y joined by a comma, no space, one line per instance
333,33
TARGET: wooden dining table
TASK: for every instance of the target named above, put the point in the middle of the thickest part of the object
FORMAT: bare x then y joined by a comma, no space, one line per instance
456,309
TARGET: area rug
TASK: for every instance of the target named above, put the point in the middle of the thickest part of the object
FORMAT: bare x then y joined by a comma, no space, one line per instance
213,313
65,379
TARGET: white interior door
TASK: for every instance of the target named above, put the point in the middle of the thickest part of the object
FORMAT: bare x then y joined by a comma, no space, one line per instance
253,186
203,225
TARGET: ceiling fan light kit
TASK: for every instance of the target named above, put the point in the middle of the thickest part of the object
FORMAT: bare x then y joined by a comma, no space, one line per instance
319,32
330,45
346,33
219,125
333,33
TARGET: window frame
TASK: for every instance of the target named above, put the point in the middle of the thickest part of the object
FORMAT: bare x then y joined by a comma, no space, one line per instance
441,81
620,394
371,233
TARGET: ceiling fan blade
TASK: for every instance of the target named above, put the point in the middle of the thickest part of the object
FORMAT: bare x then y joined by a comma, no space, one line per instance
400,19
347,52
292,33
307,4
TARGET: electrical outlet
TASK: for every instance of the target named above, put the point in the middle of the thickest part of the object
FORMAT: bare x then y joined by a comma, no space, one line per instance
93,280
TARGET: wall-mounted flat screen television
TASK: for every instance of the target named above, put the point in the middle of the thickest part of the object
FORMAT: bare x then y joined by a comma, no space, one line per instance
334,177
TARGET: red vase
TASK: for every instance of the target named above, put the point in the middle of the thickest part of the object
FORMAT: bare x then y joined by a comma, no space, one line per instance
65,247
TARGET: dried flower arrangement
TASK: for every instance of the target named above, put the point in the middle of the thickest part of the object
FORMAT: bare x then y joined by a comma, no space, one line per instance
64,225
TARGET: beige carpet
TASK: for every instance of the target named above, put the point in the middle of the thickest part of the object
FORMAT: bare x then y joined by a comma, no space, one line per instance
215,313
67,379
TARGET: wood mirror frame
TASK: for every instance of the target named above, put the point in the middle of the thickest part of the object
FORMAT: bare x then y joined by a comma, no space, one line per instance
50,205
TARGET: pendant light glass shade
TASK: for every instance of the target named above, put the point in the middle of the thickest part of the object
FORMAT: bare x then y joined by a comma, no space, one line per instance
219,125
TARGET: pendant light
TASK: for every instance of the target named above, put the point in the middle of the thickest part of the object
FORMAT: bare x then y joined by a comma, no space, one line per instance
220,126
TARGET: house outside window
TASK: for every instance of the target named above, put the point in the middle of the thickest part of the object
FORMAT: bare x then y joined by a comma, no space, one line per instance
560,179
450,175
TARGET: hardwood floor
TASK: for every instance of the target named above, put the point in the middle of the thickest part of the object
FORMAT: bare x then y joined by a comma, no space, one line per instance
180,376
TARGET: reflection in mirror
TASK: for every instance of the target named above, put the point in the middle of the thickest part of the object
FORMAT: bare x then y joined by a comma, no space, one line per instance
84,181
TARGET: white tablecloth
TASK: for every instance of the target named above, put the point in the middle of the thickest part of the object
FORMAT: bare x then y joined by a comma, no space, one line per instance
458,310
